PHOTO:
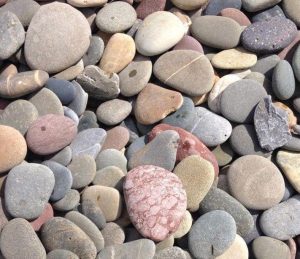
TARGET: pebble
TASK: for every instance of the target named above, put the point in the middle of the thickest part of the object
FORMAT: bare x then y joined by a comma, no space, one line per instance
158,32
113,112
110,176
266,65
83,170
267,247
269,36
72,238
291,8
197,176
175,68
239,100
161,151
72,72
189,5
256,182
171,252
116,17
69,202
79,103
107,199
19,114
226,34
61,254
94,52
4,217
296,63
212,234
185,225
189,43
27,190
12,34
113,234
154,103
165,205
43,218
98,83
167,243
63,157
147,7
234,59
116,138
88,120
50,133
18,240
254,6
135,76
56,53
91,210
268,14
87,3
223,153
238,250
214,7
69,113
236,15
111,157
13,148
118,52
217,199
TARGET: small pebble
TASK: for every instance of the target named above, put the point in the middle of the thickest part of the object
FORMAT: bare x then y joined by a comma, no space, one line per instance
111,157
215,6
68,202
113,234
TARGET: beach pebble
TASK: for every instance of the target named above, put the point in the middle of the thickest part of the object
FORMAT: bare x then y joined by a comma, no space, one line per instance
291,9
71,72
189,5
91,210
215,6
296,63
266,64
174,252
236,15
147,7
62,157
113,234
185,225
166,203
116,138
88,120
87,3
254,6
43,218
111,157
69,113
267,14
110,176
61,254
68,202
189,43
223,153
79,103
94,52
238,250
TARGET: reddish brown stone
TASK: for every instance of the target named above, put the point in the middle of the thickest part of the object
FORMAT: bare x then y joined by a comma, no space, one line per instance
189,43
116,138
236,15
188,145
147,7
288,52
50,133
156,201
43,218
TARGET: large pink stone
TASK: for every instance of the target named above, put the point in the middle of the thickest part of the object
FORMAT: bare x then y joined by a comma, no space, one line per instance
188,145
156,201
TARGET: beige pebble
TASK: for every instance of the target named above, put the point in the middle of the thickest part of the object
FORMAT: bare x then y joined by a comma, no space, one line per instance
238,250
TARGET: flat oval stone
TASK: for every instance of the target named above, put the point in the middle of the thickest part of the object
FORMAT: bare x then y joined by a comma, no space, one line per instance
189,43
154,103
87,3
226,34
148,7
56,53
71,72
43,218
13,148
238,250
20,115
256,182
197,176
113,112
18,240
156,201
189,5
236,15
69,113
111,157
214,7
291,9
161,151
22,83
217,199
267,247
118,53
113,234
110,176
159,32
296,63
269,36
72,238
254,5
215,229
287,214
27,190
239,100
50,133
283,80
69,202
61,254
116,17
135,76
176,69
234,59
223,153
94,52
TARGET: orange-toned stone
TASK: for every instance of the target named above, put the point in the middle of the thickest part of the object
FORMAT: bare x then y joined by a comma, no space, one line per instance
116,138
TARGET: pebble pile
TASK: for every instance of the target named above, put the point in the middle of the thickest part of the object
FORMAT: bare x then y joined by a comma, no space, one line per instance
150,129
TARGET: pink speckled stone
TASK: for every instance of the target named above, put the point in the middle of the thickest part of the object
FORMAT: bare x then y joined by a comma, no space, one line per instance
147,7
189,43
156,201
43,218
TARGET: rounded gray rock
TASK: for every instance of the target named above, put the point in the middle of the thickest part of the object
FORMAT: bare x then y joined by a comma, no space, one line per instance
173,252
113,234
63,157
61,254
266,65
69,202
296,63
111,157
79,103
94,52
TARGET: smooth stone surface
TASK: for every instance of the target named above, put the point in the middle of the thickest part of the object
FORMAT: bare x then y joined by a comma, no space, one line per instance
88,120
18,240
270,248
217,199
113,112
87,3
118,52
117,138
47,102
50,133
20,115
94,52
148,7
167,243
113,234
296,63
197,176
72,238
110,176
256,182
189,43
63,157
189,5
223,153
214,6
174,252
256,231
236,15
116,17
267,14
185,225
71,72
226,34
27,190
43,218
69,202
283,80
61,254
287,214
269,36
83,170
111,157
291,9
107,199
176,69
238,250
258,5
69,113
79,103
64,89
154,103
212,234
163,198
271,125
266,65
12,34
135,76
161,151
159,32
90,209
56,53
238,101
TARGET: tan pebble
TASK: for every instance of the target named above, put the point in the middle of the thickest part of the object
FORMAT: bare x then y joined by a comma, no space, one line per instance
87,3
292,119
197,100
184,226
71,72
168,242
238,250
189,4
